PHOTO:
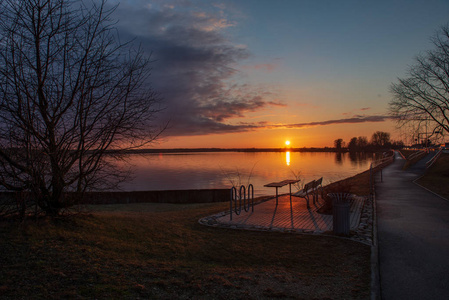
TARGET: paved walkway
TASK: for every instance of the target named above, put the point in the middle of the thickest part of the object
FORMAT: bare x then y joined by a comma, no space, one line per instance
295,217
413,237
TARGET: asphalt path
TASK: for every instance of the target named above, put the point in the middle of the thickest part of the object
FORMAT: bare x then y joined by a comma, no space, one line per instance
413,236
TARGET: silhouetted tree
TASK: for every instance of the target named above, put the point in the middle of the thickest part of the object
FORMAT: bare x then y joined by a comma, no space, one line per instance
397,144
358,144
380,139
338,144
352,146
423,97
362,142
69,91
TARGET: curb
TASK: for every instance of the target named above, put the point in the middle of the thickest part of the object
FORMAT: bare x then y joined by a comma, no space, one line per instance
364,232
375,274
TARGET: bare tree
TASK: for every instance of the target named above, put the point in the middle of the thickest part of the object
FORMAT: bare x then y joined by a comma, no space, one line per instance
338,144
358,144
381,139
69,93
362,142
352,146
422,99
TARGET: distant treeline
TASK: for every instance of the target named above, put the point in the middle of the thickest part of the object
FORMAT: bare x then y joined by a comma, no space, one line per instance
198,150
188,150
380,140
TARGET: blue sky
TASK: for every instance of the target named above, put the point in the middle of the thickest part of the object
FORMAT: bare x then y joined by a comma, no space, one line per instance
253,73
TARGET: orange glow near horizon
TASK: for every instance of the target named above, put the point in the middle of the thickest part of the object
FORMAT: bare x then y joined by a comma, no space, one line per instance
319,136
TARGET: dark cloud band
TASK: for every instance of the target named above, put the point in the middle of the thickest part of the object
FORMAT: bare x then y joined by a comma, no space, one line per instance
207,126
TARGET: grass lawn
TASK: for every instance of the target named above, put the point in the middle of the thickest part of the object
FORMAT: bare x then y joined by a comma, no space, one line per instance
159,251
436,177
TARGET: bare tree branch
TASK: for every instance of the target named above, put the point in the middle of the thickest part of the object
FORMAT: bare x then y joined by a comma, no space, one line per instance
69,92
423,97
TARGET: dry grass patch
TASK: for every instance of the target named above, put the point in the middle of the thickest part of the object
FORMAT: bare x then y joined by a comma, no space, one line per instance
359,184
436,177
159,251
407,153
411,160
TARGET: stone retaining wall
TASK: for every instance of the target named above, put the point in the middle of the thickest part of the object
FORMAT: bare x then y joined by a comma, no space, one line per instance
172,196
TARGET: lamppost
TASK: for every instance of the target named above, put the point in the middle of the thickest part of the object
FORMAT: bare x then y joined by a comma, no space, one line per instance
428,136
437,130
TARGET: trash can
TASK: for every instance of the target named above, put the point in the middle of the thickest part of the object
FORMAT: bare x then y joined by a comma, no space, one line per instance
341,205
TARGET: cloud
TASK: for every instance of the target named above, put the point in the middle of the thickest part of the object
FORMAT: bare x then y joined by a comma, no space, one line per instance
194,64
352,112
269,67
246,126
195,68
355,119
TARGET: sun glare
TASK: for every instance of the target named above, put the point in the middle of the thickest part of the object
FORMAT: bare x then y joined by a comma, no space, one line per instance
287,143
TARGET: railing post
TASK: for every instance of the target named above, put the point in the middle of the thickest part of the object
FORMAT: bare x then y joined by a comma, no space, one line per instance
371,186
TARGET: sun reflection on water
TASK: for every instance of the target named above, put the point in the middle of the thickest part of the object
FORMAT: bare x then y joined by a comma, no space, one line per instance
287,158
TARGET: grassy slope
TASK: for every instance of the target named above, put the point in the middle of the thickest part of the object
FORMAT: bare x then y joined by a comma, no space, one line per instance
437,176
407,153
359,184
411,162
160,251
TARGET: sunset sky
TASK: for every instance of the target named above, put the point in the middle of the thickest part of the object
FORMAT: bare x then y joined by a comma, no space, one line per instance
255,73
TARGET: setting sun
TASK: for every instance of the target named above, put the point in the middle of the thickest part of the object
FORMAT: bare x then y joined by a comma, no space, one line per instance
287,143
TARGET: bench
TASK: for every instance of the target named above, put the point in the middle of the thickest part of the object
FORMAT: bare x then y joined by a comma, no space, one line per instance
307,192
318,188
311,190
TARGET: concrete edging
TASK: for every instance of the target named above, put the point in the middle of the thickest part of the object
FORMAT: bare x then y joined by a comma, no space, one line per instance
363,234
375,273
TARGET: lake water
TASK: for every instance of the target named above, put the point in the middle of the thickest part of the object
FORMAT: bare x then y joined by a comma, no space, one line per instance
209,170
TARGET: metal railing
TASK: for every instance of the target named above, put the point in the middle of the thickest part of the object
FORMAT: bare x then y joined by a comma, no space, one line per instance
433,159
416,154
247,195
377,166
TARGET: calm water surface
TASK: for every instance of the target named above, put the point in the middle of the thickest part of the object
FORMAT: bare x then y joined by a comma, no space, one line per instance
209,170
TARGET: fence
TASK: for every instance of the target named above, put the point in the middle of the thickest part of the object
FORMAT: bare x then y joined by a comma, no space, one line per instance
24,203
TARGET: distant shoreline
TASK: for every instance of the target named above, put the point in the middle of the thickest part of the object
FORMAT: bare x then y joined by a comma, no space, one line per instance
193,150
